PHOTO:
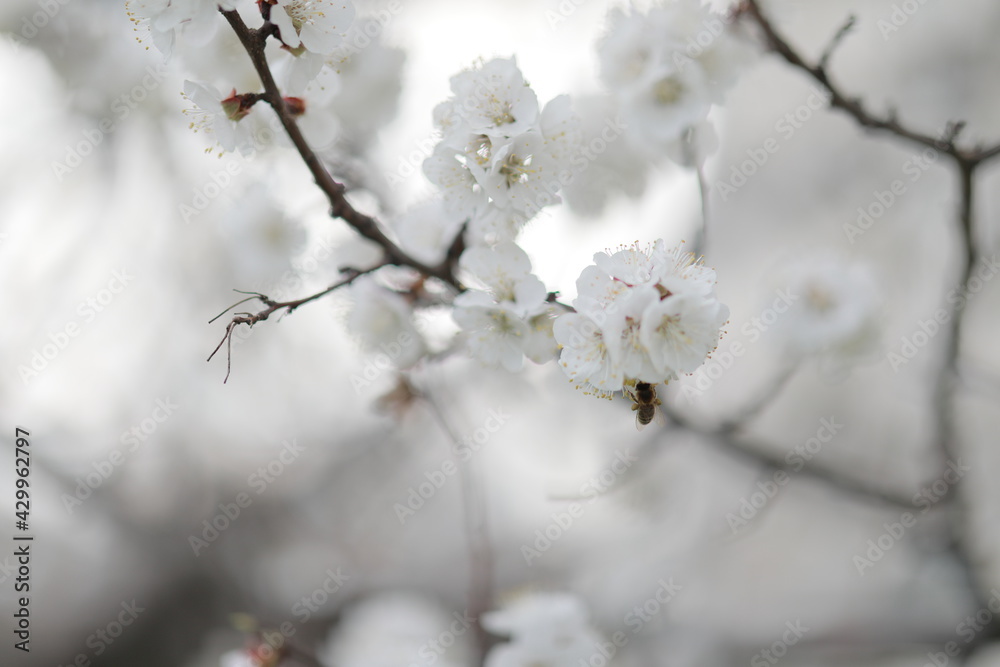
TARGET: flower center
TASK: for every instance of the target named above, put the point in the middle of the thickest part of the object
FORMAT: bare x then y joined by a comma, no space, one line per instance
516,169
303,12
668,90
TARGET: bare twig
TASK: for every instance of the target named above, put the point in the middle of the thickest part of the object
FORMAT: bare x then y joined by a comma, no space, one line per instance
838,37
271,307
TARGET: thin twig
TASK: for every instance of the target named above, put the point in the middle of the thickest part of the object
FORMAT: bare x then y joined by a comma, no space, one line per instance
272,306
838,37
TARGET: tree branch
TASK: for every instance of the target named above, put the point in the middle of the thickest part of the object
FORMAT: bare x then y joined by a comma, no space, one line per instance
253,42
852,105
272,307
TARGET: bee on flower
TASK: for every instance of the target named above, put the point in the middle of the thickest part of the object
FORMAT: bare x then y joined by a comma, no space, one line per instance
643,317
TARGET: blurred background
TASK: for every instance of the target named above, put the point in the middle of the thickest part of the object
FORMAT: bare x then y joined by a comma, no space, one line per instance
116,251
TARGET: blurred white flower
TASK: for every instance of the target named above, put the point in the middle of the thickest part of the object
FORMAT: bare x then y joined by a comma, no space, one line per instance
605,161
834,311
383,321
666,68
370,82
549,629
315,25
392,629
260,238
642,315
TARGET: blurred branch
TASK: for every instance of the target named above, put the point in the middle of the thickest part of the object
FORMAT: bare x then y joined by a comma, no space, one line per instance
853,105
253,42
272,306
476,529
764,455
763,399
946,437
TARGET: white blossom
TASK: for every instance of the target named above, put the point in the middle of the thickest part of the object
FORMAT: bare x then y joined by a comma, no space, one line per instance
196,20
494,100
642,315
219,116
501,322
500,160
315,25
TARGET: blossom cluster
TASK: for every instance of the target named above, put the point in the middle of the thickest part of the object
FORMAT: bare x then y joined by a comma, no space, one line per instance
643,315
511,318
501,157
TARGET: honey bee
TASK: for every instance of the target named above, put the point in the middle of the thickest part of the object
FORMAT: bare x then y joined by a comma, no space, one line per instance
643,395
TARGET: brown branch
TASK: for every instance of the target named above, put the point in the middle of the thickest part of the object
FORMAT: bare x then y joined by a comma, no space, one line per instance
253,42
852,105
271,307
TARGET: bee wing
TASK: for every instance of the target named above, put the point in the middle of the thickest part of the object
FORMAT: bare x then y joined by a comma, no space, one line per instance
639,426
